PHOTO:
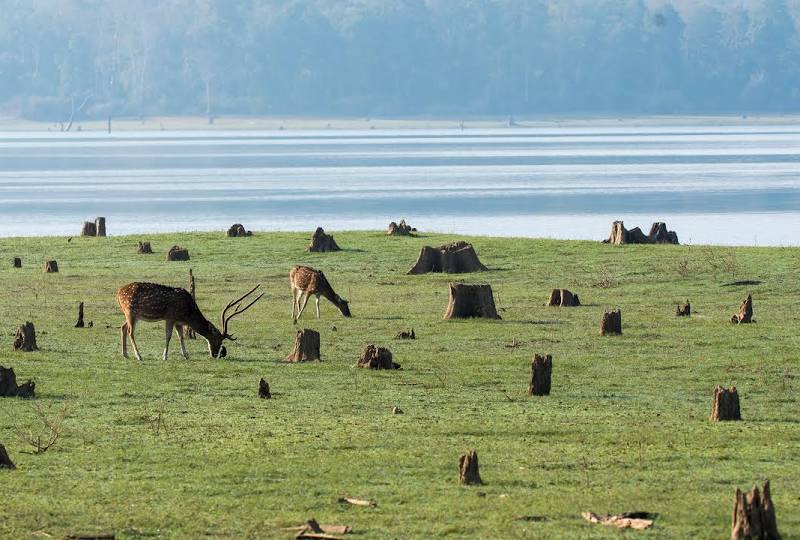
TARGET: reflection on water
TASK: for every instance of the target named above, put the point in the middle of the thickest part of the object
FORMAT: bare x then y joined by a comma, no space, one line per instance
568,183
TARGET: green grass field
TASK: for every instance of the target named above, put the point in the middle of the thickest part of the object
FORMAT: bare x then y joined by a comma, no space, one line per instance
186,449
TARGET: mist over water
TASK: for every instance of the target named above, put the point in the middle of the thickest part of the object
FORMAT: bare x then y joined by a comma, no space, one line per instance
711,184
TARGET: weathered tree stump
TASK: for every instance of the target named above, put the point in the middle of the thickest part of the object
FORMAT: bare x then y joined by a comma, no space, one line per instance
100,226
468,473
177,253
374,357
455,258
50,267
144,248
406,335
754,515
79,322
726,404
263,389
400,229
5,460
541,369
684,310
658,235
9,387
89,229
745,314
563,298
25,340
611,323
237,230
470,300
306,346
189,332
321,242
16,262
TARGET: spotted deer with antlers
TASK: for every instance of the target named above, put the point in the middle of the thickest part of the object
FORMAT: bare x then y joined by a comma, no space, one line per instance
151,302
305,282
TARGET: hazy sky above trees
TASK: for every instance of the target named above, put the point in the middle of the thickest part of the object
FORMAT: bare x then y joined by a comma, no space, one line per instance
454,58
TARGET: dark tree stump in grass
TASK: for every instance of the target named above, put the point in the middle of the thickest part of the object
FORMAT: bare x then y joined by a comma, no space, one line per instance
455,258
406,335
471,300
9,387
188,332
25,339
726,404
177,253
306,346
237,230
5,460
754,515
611,323
263,389
658,235
16,262
563,298
374,357
50,267
144,248
683,311
400,229
541,369
745,314
321,242
468,473
100,226
79,322
89,229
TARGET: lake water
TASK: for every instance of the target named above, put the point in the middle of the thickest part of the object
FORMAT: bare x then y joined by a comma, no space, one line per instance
711,184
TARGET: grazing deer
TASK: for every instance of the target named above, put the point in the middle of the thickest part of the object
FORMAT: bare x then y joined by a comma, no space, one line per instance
152,302
306,281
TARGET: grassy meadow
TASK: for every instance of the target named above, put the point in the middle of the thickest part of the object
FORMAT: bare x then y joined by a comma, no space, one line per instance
186,449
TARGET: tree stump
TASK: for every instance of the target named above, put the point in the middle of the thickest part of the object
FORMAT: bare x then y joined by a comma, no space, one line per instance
321,242
177,253
726,404
541,368
189,332
470,300
9,387
455,258
400,229
306,346
374,357
50,267
100,226
563,298
25,340
16,262
745,314
406,335
611,323
144,248
89,229
658,235
683,311
237,230
5,460
79,322
754,515
468,473
263,389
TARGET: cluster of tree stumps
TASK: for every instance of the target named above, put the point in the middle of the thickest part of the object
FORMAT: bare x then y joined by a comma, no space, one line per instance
400,229
237,230
10,388
658,235
94,228
455,258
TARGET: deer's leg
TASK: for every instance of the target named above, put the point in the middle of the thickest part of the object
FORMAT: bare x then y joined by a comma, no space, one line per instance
317,300
131,329
295,304
303,302
169,327
181,330
123,332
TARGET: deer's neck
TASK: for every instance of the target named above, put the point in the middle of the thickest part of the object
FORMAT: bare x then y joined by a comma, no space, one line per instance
201,325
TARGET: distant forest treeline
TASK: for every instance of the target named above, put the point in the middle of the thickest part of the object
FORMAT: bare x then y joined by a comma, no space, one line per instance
94,58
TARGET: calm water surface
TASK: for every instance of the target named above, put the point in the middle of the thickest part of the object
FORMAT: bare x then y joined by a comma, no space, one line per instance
711,184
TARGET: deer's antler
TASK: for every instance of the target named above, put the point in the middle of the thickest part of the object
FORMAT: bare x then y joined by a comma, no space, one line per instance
237,310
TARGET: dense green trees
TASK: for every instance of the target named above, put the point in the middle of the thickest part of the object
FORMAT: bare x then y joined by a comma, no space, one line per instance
396,57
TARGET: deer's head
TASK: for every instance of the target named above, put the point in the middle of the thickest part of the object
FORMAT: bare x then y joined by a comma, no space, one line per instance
344,307
216,337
